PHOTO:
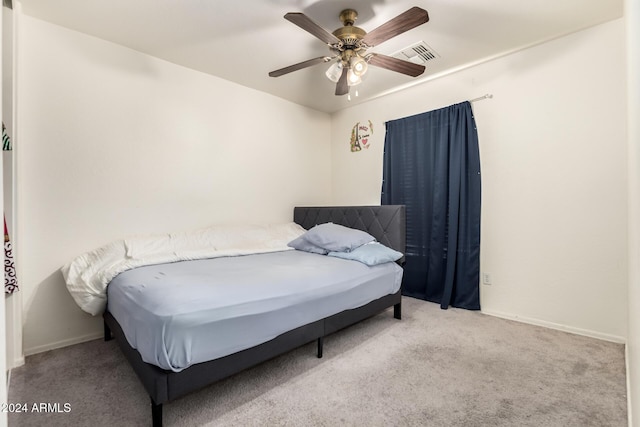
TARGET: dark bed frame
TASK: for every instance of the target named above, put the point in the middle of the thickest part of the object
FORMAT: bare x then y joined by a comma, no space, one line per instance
385,223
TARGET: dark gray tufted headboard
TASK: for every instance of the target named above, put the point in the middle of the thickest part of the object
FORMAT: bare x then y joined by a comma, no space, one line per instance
385,223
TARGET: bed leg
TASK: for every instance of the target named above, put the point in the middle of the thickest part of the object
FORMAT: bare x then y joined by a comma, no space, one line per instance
397,311
320,343
107,332
156,414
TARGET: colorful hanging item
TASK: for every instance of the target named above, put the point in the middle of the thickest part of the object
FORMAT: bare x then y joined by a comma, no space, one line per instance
10,279
6,141
360,136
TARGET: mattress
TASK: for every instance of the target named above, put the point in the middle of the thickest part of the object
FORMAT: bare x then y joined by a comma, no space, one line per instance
188,312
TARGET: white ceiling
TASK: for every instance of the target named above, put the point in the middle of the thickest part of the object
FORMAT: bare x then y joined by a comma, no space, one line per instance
242,40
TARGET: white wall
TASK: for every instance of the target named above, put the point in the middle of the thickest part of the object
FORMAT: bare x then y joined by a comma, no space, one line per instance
114,142
632,18
553,156
7,116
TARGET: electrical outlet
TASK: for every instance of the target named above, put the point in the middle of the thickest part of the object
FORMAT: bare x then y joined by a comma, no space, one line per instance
486,278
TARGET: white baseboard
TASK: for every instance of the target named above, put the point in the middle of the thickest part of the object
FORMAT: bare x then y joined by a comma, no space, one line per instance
557,326
17,362
63,343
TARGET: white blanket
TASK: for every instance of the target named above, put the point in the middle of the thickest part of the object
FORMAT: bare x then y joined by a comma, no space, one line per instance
88,275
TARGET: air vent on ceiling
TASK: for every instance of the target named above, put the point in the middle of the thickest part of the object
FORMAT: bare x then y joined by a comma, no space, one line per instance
418,53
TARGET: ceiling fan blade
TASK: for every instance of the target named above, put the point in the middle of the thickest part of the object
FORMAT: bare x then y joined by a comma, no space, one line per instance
342,88
299,66
304,22
398,25
394,64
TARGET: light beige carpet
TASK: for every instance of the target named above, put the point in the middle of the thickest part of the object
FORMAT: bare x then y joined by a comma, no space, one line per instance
432,368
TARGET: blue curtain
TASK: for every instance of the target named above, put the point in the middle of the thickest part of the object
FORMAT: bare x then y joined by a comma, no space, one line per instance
432,165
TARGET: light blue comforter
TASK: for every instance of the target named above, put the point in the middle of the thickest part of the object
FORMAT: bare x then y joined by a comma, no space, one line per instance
189,312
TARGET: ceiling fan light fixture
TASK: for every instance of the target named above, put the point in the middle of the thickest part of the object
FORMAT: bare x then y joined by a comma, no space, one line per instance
353,79
335,71
358,66
349,44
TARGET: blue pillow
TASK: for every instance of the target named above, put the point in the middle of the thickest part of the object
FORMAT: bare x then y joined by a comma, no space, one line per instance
337,238
302,245
370,254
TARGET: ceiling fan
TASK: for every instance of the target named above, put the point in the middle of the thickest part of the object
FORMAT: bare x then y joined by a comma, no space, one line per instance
349,45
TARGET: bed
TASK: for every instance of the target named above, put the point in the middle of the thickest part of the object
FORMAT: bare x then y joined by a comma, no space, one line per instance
193,371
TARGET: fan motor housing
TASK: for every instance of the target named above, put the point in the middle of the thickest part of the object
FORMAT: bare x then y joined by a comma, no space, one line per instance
350,36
